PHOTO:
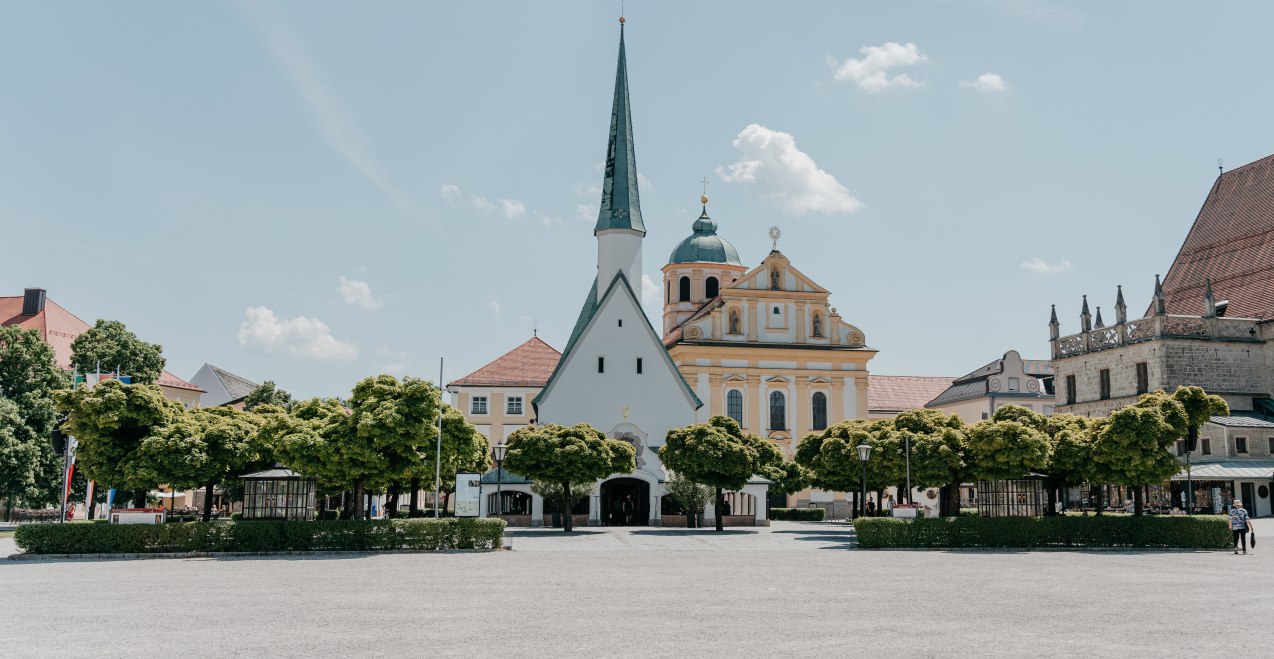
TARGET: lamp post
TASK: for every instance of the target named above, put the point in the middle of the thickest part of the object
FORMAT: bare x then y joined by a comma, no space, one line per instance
499,476
864,454
1191,439
906,440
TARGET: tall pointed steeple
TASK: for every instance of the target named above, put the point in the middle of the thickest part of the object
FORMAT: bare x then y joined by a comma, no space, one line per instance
1085,318
621,203
1054,328
1121,309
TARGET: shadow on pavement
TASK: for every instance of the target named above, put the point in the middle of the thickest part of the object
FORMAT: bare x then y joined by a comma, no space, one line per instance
549,533
693,532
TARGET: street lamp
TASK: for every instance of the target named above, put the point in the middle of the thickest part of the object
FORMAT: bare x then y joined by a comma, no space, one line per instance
1192,438
499,476
864,454
906,439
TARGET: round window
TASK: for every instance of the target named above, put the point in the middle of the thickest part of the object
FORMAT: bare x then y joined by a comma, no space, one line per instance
1263,492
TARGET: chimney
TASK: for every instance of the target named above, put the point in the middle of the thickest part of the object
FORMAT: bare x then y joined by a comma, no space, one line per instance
32,301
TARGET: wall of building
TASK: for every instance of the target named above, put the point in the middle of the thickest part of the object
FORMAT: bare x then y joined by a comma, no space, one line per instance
497,423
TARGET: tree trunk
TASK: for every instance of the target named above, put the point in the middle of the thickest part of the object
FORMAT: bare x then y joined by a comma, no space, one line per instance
391,504
347,505
1096,498
720,509
690,519
446,502
1136,501
566,508
358,499
139,498
414,501
207,502
1051,511
880,502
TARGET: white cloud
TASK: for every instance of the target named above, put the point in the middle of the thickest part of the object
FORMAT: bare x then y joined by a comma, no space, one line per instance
649,290
644,183
483,204
494,306
872,71
987,82
358,293
1037,264
786,175
450,193
586,211
512,209
307,338
335,122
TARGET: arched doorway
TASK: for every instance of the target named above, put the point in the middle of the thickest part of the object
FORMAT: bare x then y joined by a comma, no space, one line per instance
625,502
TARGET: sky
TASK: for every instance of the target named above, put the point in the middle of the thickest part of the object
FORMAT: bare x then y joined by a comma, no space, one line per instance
315,192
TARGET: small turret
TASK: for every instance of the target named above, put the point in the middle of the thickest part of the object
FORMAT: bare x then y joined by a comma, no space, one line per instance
1099,324
1209,302
1054,327
1121,309
1160,304
1085,318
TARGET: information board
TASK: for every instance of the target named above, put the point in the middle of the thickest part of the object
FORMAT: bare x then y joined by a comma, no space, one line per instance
468,494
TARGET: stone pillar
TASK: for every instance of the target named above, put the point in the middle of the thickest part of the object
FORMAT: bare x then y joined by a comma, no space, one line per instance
537,510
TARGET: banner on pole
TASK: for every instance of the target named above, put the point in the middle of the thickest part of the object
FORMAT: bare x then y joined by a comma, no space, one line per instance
468,494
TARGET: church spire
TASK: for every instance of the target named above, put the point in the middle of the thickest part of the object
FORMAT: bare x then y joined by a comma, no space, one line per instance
621,203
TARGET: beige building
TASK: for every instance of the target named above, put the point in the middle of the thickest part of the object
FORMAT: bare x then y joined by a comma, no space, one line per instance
497,397
1007,380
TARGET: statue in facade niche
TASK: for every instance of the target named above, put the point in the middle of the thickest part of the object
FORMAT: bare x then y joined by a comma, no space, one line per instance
734,322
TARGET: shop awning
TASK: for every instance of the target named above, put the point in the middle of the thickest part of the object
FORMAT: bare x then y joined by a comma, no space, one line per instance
1230,470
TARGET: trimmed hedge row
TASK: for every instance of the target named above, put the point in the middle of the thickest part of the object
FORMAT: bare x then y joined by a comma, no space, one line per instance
261,536
1194,532
797,514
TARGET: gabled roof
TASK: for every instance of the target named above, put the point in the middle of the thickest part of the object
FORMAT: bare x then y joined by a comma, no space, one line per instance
895,393
589,313
974,384
238,387
528,365
59,328
1231,243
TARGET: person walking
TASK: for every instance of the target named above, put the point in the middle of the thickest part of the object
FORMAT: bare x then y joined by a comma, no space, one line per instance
1238,525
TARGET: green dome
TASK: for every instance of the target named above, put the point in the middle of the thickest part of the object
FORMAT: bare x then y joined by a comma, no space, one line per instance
704,245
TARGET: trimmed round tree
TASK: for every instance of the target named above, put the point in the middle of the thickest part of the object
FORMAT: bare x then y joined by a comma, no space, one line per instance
1070,459
566,456
1006,450
1132,446
718,454
110,346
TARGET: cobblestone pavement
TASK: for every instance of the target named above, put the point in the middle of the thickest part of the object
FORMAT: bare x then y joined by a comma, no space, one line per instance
789,590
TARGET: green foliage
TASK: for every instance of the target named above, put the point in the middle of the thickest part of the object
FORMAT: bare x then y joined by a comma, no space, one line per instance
1132,445
797,514
558,493
1199,531
1022,415
1170,410
300,439
463,448
263,536
787,477
1071,448
111,345
267,393
390,434
715,453
566,456
690,495
111,420
1006,449
29,374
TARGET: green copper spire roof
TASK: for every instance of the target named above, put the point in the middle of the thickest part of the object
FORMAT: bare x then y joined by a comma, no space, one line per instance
704,245
621,204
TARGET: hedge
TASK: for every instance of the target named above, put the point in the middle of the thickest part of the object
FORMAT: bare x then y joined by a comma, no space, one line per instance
261,536
1194,532
797,514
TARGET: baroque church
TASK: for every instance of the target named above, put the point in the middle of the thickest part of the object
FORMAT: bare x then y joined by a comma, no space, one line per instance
761,345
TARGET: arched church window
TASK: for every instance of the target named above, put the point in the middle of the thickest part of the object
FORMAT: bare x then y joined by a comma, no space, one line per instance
818,325
711,287
778,411
734,405
683,287
774,280
820,410
734,322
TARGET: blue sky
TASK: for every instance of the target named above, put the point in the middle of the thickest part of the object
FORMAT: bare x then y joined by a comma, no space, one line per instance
316,192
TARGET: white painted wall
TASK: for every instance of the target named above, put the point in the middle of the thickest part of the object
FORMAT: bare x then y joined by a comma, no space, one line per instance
618,250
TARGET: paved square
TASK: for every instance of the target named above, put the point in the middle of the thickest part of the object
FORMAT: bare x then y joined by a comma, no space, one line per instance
792,590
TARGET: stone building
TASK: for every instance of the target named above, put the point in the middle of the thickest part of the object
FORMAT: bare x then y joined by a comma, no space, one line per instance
1208,325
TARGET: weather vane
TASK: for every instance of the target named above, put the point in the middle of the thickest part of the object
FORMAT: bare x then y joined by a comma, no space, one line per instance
775,234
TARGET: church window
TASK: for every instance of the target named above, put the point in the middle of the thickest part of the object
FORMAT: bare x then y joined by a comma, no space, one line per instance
711,287
478,405
513,405
668,292
1143,378
820,411
639,366
734,322
621,322
1070,390
734,405
778,411
818,325
601,364
684,289
1103,379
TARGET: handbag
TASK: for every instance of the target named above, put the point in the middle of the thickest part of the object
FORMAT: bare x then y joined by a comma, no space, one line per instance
1253,532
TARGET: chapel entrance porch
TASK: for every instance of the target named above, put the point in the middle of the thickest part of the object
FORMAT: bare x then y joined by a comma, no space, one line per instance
625,502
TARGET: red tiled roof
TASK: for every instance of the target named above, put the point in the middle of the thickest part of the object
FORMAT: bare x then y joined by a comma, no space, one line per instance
895,393
528,365
59,328
1231,242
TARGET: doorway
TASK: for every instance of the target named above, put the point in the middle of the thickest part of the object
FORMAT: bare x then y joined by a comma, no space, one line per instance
625,502
1249,498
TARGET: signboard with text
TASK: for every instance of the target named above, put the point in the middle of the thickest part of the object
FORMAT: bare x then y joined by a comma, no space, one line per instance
468,494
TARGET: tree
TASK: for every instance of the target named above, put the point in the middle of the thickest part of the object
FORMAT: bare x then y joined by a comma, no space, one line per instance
787,477
301,439
19,459
1070,453
832,457
1132,447
463,449
938,454
111,346
566,456
718,454
29,375
267,393
562,496
691,495
1199,407
204,448
111,420
1006,448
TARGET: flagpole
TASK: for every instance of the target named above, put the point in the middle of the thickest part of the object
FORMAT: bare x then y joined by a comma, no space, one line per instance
438,447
